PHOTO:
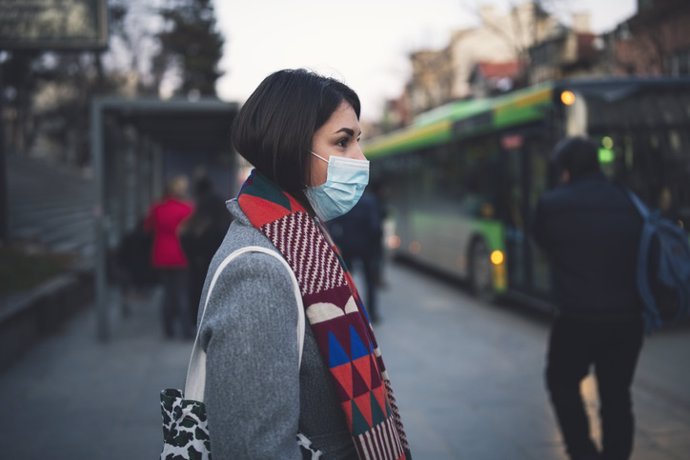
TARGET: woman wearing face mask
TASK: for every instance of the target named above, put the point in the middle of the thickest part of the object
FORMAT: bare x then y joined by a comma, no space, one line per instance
265,398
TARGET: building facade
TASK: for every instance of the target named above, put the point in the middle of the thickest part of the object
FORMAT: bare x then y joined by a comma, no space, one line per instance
500,39
656,41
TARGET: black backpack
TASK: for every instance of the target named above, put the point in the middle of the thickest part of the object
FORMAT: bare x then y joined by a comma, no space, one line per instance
666,296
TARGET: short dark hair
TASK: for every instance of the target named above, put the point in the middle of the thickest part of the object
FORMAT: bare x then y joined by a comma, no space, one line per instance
578,155
275,127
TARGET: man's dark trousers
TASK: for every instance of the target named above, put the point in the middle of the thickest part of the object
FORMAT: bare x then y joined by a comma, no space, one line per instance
175,302
612,348
370,279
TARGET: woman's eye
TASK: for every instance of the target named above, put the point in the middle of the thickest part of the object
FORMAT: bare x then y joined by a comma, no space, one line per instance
342,142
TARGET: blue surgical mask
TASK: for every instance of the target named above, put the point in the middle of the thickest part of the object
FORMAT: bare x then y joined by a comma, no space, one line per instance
345,182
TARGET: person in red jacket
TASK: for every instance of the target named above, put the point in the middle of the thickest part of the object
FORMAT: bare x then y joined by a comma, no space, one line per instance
165,219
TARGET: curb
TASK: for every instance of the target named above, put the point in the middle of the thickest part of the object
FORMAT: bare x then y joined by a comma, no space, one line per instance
26,318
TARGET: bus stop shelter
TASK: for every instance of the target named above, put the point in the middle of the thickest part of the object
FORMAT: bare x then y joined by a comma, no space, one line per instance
136,146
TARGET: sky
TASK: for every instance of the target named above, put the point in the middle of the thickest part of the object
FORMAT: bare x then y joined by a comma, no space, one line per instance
363,43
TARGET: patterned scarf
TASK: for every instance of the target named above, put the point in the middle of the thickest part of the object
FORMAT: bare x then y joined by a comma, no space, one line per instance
337,317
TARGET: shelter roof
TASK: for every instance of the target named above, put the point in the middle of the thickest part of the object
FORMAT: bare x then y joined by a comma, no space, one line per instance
177,124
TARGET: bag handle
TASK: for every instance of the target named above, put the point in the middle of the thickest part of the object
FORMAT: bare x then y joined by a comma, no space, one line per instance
639,205
196,372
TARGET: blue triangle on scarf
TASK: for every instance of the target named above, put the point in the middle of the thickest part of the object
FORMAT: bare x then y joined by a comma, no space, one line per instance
357,348
336,354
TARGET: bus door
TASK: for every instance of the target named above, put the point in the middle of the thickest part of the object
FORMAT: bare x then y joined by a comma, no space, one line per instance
515,188
526,163
539,179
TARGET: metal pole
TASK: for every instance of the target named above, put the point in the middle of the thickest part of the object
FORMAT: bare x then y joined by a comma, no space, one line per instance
158,174
100,220
4,214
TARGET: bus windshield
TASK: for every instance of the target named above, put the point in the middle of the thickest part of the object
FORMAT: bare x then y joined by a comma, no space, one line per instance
645,144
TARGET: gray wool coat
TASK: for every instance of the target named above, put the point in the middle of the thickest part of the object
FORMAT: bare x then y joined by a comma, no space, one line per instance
257,399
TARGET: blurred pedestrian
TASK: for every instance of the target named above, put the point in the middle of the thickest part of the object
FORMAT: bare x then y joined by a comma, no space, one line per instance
358,234
164,220
380,191
590,232
134,256
201,236
301,132
133,268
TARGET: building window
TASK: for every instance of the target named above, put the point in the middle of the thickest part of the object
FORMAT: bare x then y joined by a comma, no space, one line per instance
679,63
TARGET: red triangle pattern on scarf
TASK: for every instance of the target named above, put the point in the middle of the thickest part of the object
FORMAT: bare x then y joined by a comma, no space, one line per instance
363,366
359,386
343,376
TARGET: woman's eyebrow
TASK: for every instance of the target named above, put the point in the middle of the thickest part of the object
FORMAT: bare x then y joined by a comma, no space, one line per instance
346,131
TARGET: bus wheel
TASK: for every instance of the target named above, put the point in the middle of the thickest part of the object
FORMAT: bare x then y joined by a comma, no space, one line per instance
480,271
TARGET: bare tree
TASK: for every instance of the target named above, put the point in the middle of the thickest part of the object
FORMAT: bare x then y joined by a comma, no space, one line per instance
134,27
522,33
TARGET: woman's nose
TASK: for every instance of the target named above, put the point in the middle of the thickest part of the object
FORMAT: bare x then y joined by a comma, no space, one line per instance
359,154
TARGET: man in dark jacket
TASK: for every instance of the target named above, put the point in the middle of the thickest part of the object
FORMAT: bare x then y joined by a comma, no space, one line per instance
590,232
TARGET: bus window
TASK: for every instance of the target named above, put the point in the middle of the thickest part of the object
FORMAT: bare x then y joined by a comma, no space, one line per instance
479,174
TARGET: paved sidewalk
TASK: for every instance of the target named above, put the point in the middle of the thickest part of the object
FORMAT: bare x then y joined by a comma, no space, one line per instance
468,378
71,397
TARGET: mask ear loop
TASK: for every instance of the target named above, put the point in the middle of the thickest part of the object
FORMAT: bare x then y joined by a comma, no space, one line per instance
306,186
319,157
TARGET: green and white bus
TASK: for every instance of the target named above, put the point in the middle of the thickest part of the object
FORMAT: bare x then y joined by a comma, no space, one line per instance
462,182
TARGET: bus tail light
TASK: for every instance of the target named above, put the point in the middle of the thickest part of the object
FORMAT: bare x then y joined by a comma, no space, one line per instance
497,257
568,97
